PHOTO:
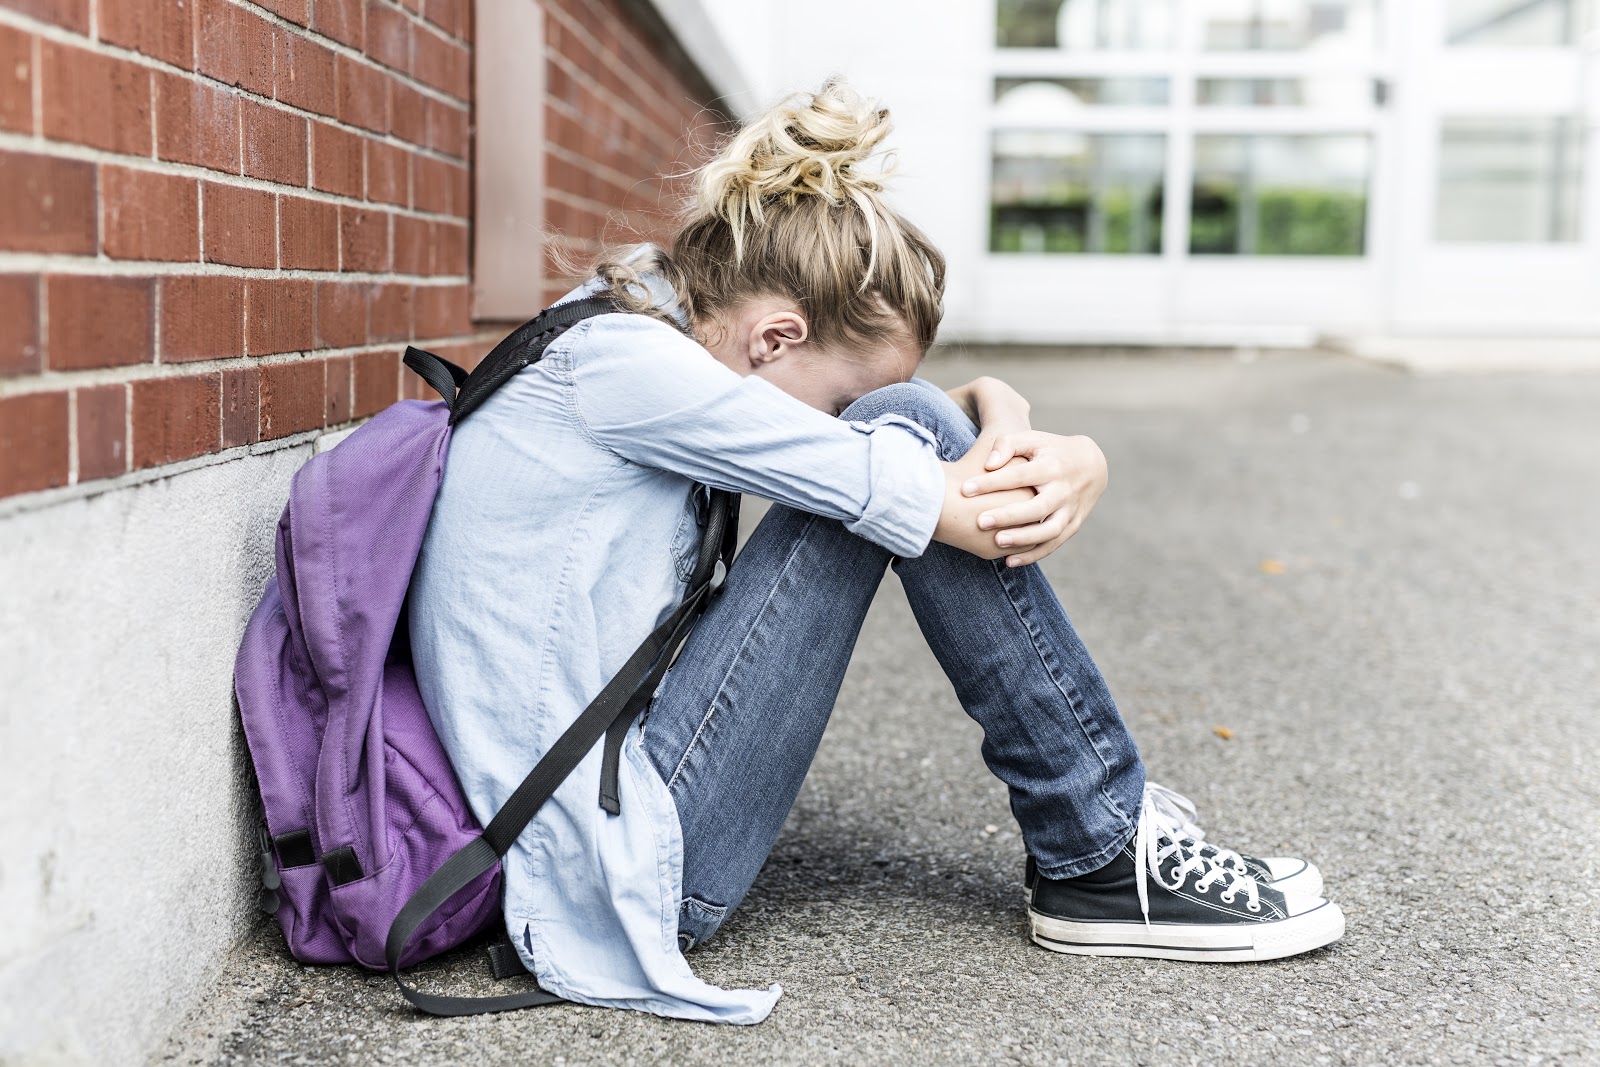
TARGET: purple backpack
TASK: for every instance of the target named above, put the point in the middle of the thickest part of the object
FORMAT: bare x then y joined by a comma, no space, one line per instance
370,854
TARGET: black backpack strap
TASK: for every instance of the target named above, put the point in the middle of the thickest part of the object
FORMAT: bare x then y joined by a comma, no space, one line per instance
623,697
720,510
522,346
445,377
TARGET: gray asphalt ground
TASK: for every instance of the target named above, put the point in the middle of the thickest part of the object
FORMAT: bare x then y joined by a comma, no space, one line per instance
1385,587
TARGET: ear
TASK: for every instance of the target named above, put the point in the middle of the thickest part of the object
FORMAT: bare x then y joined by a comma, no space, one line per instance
776,335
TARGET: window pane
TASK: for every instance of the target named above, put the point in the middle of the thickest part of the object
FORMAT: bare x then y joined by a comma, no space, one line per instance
1517,23
1510,179
1085,24
1280,195
1332,92
1057,97
1060,191
1289,25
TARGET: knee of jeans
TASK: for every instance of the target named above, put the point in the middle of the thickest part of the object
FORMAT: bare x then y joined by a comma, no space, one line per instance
697,921
922,403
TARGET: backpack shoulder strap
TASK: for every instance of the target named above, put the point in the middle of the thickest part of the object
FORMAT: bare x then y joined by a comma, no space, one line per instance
463,392
522,346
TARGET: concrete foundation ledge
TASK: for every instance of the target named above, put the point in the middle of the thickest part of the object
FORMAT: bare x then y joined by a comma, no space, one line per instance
125,878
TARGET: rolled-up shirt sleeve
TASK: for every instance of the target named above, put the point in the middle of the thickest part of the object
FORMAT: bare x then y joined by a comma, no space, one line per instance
647,393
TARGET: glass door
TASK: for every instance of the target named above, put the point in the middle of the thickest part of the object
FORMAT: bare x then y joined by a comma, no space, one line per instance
1502,228
1187,170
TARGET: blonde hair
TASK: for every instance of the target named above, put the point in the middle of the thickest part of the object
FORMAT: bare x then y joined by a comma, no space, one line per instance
788,208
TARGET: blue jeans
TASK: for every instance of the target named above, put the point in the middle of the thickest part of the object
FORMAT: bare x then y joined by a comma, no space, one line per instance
736,724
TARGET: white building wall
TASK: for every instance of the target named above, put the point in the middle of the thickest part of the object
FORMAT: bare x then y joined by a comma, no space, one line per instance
126,876
928,64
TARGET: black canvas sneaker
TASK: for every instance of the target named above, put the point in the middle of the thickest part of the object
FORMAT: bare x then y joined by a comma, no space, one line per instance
1289,875
1158,898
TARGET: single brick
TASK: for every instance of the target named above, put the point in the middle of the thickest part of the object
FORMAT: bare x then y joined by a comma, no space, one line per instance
335,160
48,204
16,80
175,419
202,317
442,310
241,225
388,36
431,184
197,122
408,113
449,248
341,314
362,93
241,407
147,215
308,234
102,432
449,15
441,63
278,315
274,144
447,128
73,14
390,315
413,245
338,393
235,46
388,172
97,321
303,74
295,11
291,397
363,239
95,99
377,378
34,451
341,20
19,309
160,28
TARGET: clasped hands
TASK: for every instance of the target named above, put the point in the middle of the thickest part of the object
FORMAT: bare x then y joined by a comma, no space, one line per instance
1065,475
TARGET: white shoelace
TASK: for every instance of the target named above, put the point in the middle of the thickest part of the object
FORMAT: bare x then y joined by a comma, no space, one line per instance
1167,830
1181,809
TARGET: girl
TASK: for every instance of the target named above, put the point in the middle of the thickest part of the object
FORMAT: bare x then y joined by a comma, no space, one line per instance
810,303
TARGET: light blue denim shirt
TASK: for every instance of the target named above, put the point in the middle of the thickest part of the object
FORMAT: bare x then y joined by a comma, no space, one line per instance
563,533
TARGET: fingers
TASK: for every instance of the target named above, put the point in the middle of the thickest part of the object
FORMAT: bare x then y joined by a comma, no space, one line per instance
1039,533
1017,476
1041,507
1039,551
1000,455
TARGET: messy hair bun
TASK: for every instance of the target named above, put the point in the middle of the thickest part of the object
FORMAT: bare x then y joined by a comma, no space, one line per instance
809,144
792,207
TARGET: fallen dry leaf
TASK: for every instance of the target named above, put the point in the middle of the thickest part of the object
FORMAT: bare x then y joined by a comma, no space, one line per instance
1223,732
1272,566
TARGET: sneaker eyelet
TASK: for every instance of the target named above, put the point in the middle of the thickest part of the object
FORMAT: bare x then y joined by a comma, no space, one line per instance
1254,905
1202,887
1227,898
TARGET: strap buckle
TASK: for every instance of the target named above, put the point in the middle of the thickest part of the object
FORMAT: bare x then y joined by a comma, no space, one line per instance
270,879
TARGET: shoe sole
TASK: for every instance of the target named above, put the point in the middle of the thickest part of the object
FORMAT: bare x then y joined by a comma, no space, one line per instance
1234,943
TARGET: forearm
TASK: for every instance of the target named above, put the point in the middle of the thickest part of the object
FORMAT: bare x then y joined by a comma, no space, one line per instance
993,406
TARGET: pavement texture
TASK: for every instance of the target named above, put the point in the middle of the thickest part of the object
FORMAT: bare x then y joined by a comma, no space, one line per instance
1383,587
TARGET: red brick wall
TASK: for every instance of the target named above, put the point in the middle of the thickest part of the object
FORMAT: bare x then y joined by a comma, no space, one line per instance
222,221
623,116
